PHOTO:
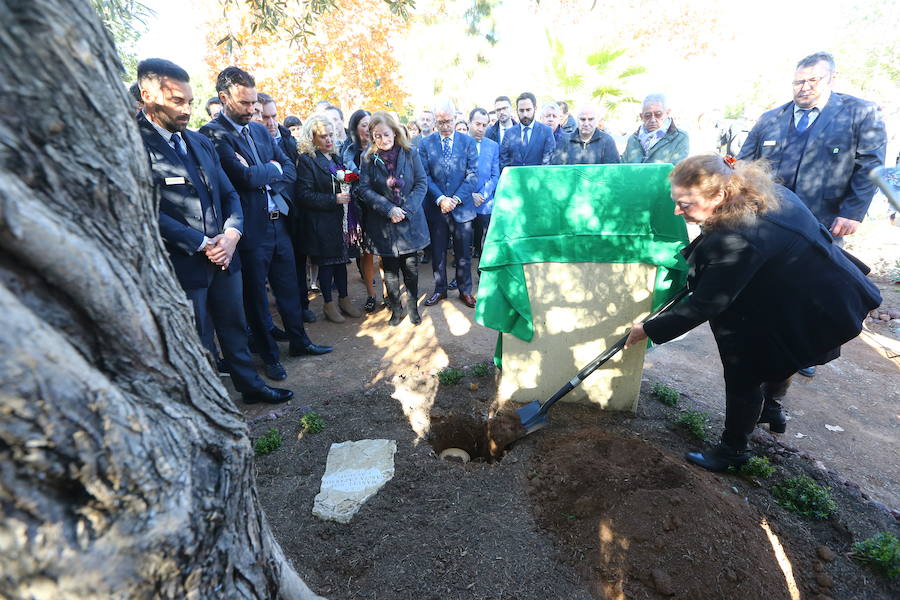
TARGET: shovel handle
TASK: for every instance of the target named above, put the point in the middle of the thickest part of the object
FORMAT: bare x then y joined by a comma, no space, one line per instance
610,352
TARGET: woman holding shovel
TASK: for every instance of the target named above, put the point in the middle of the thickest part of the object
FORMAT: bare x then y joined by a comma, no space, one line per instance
778,293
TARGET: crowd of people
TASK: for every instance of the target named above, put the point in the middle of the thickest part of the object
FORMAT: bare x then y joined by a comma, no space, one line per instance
249,202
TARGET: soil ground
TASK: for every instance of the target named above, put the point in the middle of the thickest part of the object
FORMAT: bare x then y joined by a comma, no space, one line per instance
597,505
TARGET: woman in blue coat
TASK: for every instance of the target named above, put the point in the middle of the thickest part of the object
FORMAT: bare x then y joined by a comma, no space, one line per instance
392,186
779,295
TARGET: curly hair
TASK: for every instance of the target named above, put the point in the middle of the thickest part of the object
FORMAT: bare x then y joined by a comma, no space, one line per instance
315,124
748,188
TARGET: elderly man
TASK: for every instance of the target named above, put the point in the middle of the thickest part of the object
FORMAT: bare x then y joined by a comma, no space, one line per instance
588,145
822,146
450,161
657,140
551,116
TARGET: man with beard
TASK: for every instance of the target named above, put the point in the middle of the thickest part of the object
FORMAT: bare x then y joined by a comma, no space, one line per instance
527,143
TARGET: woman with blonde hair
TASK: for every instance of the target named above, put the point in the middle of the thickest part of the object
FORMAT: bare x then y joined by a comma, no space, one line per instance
779,295
392,185
330,228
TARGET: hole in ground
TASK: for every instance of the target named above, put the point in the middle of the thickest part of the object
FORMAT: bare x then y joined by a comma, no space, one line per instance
464,432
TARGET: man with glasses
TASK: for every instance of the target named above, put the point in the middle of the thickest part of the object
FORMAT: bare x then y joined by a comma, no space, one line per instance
822,146
504,122
657,140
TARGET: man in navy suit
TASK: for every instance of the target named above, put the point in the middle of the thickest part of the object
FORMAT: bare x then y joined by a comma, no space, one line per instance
529,142
258,169
822,146
449,159
200,219
503,110
487,173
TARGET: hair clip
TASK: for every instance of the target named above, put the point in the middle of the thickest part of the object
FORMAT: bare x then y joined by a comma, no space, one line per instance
729,160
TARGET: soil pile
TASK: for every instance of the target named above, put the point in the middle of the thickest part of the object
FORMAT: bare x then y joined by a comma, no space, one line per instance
637,524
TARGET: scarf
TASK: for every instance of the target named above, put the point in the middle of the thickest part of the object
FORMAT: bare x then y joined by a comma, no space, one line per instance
395,181
648,139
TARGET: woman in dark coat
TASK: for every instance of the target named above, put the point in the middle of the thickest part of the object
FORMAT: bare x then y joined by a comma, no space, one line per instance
392,186
330,228
779,295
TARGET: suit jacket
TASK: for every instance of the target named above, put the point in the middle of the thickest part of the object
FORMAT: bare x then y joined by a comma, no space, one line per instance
493,132
250,181
846,141
538,152
779,295
321,233
457,180
288,145
487,174
180,208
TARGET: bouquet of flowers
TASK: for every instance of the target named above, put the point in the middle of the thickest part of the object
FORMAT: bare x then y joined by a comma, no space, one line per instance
345,178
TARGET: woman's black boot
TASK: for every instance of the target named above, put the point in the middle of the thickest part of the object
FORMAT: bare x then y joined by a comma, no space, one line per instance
392,283
774,393
741,413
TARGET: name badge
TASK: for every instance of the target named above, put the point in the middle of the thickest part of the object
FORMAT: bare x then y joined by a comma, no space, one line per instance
175,181
769,143
836,150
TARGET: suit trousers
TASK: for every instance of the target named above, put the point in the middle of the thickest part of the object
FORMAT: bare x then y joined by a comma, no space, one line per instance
222,304
272,259
441,227
482,222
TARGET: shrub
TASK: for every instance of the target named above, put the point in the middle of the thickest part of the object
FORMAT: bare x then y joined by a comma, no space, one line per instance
481,369
268,442
805,497
758,466
665,394
449,376
311,423
696,423
881,552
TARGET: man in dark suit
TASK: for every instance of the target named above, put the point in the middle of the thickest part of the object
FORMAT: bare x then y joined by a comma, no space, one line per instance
503,110
527,143
258,168
288,144
822,146
487,173
449,159
200,219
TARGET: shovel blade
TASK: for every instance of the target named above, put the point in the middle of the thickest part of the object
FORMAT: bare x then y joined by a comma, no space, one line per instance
531,420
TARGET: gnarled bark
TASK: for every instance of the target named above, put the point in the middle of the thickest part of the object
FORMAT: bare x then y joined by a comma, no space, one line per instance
125,469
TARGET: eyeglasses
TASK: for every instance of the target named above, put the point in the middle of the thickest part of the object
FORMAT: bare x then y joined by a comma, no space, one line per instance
649,115
445,122
812,81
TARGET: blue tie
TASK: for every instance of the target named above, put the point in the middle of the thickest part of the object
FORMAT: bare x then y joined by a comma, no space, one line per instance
803,122
179,145
526,135
446,152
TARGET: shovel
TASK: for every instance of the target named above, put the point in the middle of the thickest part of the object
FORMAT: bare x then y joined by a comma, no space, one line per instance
533,416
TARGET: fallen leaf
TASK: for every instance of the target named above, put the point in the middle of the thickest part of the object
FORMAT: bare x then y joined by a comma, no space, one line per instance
834,428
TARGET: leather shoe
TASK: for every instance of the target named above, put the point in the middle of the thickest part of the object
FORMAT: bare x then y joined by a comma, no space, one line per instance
775,418
278,334
275,371
268,395
719,458
808,371
452,285
309,349
435,298
223,368
468,300
309,316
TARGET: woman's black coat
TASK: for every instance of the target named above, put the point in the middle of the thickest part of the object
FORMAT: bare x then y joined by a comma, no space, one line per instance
321,232
778,293
410,234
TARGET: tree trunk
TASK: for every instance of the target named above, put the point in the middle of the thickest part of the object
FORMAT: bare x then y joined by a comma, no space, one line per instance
125,469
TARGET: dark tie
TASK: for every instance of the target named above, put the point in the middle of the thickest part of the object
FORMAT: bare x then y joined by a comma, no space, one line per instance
178,143
276,197
526,135
803,121
446,151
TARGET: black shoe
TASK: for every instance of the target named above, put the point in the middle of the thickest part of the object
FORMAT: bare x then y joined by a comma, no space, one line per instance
309,316
808,371
278,334
370,304
396,317
414,317
309,349
719,458
775,418
268,395
223,368
275,371
435,298
452,285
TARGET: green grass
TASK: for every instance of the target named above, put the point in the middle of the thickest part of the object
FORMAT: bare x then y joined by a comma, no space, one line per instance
665,394
450,376
696,423
758,466
311,423
480,370
805,497
268,442
881,552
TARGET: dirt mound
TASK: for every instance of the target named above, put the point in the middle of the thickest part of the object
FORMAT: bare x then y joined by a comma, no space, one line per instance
638,523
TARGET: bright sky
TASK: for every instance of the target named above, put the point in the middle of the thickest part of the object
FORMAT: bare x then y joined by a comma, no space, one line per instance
174,34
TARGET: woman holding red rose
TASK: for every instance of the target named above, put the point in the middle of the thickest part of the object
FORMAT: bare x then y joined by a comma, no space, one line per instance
331,228
392,186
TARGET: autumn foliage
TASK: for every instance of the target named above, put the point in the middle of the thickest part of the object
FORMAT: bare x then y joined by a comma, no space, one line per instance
350,61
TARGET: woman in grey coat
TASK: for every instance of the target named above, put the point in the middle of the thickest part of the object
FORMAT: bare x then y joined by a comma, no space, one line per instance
392,186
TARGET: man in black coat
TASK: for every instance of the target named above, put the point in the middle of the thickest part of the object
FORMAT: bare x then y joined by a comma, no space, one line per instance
258,168
588,145
200,219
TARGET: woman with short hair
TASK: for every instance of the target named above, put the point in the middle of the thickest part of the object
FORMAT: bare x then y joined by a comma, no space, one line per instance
779,295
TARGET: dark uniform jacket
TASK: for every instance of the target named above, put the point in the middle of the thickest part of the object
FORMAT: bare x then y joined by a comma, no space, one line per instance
599,150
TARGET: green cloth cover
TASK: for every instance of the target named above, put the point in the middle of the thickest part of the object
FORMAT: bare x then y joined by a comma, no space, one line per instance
589,213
